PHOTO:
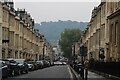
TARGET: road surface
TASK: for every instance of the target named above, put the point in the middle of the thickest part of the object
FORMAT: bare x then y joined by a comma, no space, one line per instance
54,73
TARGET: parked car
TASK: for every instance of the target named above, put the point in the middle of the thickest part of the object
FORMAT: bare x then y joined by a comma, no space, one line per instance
22,65
46,63
0,69
3,70
30,66
64,63
51,63
33,65
40,64
58,63
13,67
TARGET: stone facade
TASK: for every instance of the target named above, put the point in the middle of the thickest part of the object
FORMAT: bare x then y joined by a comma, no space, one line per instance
102,36
0,30
114,37
19,38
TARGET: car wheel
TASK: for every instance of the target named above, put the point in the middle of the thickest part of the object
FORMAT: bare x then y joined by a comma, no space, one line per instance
13,73
26,71
41,67
19,72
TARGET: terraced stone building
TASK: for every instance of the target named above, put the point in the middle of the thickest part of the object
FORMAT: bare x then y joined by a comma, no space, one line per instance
102,36
20,40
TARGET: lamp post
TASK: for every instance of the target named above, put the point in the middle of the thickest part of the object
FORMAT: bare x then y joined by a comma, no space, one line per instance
74,52
83,52
82,61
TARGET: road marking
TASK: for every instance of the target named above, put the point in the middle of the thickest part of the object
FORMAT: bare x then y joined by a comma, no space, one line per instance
71,76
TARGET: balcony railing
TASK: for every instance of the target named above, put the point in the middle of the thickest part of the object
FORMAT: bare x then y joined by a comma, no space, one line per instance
5,41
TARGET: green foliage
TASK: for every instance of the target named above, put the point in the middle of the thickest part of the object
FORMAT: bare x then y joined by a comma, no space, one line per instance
68,37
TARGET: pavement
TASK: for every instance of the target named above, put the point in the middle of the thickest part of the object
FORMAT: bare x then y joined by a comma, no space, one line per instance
95,76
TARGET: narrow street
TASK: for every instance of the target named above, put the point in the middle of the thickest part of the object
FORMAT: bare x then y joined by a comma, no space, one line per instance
71,40
62,72
55,72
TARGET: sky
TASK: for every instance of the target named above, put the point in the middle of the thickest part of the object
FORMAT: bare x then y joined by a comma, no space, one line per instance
54,11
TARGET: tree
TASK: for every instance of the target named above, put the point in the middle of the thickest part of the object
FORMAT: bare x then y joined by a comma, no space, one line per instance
68,37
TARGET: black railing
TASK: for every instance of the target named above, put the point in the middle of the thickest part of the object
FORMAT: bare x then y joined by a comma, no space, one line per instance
5,41
79,68
112,68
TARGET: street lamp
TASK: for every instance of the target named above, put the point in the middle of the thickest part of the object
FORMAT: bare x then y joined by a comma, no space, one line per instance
42,39
83,53
73,52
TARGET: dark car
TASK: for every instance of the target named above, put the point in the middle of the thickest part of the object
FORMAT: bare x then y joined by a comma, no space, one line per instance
12,66
46,63
22,65
51,63
40,64
3,70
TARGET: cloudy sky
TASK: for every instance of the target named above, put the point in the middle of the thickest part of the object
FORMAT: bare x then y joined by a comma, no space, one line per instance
53,11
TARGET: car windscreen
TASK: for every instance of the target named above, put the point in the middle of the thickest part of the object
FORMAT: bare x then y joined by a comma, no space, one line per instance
30,62
9,61
20,61
0,64
39,62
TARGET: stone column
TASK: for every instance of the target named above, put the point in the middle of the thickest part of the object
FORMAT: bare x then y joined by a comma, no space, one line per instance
118,39
38,57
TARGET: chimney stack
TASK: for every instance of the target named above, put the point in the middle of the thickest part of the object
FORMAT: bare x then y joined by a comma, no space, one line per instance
10,3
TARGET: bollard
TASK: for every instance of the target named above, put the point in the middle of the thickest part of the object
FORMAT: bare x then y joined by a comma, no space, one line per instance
82,73
86,73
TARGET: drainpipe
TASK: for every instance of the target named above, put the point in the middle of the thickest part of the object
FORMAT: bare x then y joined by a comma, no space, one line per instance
99,33
43,51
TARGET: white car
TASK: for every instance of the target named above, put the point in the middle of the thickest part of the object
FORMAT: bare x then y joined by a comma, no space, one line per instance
30,66
58,63
64,63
